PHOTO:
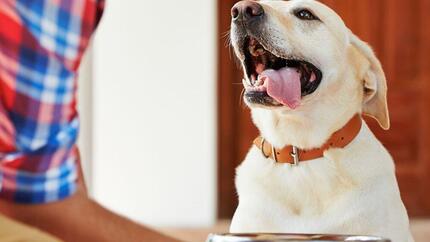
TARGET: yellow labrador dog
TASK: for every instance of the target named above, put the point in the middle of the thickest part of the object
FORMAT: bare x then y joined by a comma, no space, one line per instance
317,167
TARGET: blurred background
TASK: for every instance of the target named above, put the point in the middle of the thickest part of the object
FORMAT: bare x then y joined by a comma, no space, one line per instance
163,127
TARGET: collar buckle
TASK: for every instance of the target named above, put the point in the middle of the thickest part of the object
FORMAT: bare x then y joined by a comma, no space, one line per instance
295,155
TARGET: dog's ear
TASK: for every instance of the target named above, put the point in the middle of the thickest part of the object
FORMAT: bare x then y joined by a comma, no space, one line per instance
374,84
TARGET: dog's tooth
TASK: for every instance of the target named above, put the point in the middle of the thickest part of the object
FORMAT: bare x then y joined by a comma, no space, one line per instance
258,82
260,51
256,52
252,50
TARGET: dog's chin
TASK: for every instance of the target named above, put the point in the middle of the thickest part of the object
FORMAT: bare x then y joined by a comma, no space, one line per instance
260,99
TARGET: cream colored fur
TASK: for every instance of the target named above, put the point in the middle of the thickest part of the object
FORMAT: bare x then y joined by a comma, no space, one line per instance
348,191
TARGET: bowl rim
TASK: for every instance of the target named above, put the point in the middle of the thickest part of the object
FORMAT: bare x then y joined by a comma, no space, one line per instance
283,237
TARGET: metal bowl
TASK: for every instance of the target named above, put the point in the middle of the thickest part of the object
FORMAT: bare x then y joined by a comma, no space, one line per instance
291,238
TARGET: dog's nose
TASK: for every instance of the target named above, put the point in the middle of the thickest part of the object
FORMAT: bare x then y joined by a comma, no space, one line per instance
246,10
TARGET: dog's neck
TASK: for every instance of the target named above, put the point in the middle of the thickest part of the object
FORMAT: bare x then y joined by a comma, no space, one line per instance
302,130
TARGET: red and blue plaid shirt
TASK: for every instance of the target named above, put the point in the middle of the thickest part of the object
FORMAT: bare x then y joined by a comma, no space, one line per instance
41,46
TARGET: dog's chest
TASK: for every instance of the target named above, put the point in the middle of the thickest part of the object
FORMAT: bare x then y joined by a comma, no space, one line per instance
276,196
351,190
308,189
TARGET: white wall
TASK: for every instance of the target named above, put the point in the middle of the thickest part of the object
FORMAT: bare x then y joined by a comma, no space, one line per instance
85,107
154,111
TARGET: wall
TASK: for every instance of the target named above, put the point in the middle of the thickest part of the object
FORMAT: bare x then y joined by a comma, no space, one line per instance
85,107
154,111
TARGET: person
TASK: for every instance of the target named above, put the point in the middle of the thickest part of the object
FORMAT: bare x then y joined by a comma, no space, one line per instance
41,186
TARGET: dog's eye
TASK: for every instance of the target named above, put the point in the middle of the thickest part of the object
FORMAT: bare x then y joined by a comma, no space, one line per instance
305,14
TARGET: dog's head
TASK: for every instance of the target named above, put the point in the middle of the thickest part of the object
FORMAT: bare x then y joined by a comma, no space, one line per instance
301,62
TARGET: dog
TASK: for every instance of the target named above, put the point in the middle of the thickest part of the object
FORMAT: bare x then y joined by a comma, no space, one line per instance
308,80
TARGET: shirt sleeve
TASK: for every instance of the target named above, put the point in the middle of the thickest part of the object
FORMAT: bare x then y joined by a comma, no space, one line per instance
41,46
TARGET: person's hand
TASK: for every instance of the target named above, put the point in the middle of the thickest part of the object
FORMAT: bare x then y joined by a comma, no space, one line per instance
78,218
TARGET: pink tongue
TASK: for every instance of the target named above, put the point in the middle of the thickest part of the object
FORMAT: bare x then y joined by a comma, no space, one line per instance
283,85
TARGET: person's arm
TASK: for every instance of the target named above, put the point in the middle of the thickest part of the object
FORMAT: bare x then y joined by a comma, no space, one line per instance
41,46
78,218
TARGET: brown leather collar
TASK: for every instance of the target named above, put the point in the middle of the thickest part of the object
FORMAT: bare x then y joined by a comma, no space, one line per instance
293,155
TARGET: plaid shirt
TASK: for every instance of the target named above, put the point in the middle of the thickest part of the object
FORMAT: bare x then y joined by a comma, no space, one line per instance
41,46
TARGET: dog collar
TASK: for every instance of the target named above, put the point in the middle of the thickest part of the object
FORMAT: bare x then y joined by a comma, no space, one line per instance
293,155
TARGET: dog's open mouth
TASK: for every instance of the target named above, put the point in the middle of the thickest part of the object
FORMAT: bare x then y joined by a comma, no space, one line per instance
275,81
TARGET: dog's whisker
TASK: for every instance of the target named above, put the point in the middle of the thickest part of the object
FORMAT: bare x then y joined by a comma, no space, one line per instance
226,33
226,36
228,42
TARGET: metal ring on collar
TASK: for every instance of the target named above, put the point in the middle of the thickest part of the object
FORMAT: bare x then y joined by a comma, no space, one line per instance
262,148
